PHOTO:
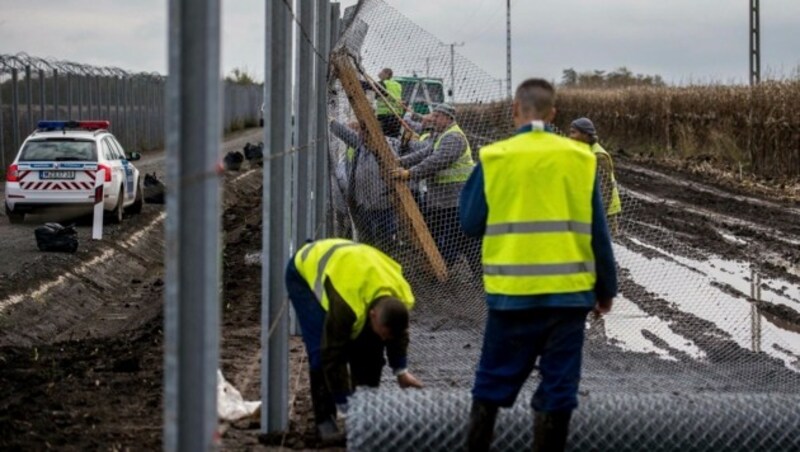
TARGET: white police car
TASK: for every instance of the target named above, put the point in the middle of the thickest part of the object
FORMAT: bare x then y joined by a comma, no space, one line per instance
56,166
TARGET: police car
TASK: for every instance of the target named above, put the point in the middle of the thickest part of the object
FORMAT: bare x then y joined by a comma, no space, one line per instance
57,164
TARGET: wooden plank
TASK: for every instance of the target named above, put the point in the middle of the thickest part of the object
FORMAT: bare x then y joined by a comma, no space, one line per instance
407,209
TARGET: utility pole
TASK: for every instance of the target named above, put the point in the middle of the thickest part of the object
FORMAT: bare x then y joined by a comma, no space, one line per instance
453,46
755,42
508,48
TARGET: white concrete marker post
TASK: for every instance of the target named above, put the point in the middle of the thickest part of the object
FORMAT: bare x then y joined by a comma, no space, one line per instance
97,224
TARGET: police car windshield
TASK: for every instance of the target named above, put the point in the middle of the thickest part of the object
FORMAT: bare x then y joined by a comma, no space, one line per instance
59,151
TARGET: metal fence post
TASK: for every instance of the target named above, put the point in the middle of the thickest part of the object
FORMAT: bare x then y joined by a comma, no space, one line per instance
304,118
276,211
192,227
99,114
117,109
2,131
15,107
42,113
80,96
108,98
29,100
69,95
322,184
56,100
90,99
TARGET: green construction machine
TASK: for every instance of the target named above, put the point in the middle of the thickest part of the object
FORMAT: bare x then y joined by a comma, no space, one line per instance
421,94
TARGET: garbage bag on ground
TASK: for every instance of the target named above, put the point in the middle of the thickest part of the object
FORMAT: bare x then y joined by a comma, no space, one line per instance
55,237
154,189
254,153
233,161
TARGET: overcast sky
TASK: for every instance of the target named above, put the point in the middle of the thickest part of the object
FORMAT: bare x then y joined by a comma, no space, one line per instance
683,40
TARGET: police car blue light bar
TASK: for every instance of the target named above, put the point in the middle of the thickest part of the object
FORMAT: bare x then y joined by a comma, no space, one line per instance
86,125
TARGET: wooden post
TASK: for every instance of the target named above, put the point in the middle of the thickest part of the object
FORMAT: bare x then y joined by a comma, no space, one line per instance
406,207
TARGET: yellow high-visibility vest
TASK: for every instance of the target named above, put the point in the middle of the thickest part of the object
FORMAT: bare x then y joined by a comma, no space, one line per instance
460,170
395,94
615,206
359,273
538,238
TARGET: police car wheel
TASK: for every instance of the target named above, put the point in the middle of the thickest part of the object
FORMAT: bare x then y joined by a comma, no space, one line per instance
15,217
115,216
138,202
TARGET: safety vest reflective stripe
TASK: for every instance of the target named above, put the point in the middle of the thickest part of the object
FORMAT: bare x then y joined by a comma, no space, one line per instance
394,92
318,281
540,270
539,226
459,170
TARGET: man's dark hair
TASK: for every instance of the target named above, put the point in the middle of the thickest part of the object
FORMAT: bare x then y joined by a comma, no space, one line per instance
389,72
536,96
393,315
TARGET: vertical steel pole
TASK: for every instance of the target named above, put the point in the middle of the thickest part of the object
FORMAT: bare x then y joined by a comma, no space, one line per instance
303,121
276,212
109,96
508,50
90,99
322,185
99,114
336,14
69,95
117,108
80,96
192,226
29,90
2,131
56,100
15,107
755,42
42,113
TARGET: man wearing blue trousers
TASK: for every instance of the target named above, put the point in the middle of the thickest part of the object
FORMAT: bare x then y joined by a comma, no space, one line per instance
547,262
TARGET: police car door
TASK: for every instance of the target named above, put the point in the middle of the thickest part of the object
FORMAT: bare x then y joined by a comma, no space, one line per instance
127,170
113,161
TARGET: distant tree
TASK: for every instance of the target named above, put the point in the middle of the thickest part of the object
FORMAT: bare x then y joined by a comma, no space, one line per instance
618,78
241,77
569,77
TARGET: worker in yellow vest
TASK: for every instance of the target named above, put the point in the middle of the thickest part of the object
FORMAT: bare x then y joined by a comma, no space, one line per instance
389,103
352,304
446,165
547,263
583,130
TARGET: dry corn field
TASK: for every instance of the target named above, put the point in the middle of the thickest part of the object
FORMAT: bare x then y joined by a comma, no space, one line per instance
756,128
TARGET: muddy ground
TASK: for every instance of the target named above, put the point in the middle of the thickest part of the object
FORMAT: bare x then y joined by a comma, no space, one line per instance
103,391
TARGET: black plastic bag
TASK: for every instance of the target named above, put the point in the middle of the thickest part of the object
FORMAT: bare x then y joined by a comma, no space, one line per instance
55,237
153,189
254,153
233,161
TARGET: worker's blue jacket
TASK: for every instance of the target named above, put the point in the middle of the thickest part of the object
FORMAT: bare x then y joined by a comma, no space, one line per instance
473,215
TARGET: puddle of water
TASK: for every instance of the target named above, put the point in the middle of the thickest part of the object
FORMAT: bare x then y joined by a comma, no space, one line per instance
737,275
626,323
693,293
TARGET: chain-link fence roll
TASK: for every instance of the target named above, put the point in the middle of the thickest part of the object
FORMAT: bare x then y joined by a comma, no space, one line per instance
437,421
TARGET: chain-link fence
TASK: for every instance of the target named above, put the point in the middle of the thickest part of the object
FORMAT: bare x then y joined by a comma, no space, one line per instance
701,308
32,89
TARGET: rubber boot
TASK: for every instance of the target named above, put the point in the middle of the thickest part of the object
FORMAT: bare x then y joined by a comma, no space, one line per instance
481,426
324,409
550,431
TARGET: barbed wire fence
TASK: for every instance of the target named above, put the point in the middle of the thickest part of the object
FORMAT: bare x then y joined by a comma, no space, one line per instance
687,320
33,89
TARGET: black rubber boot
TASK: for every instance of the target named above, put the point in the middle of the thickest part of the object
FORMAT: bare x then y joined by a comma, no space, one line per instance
481,426
550,431
324,408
